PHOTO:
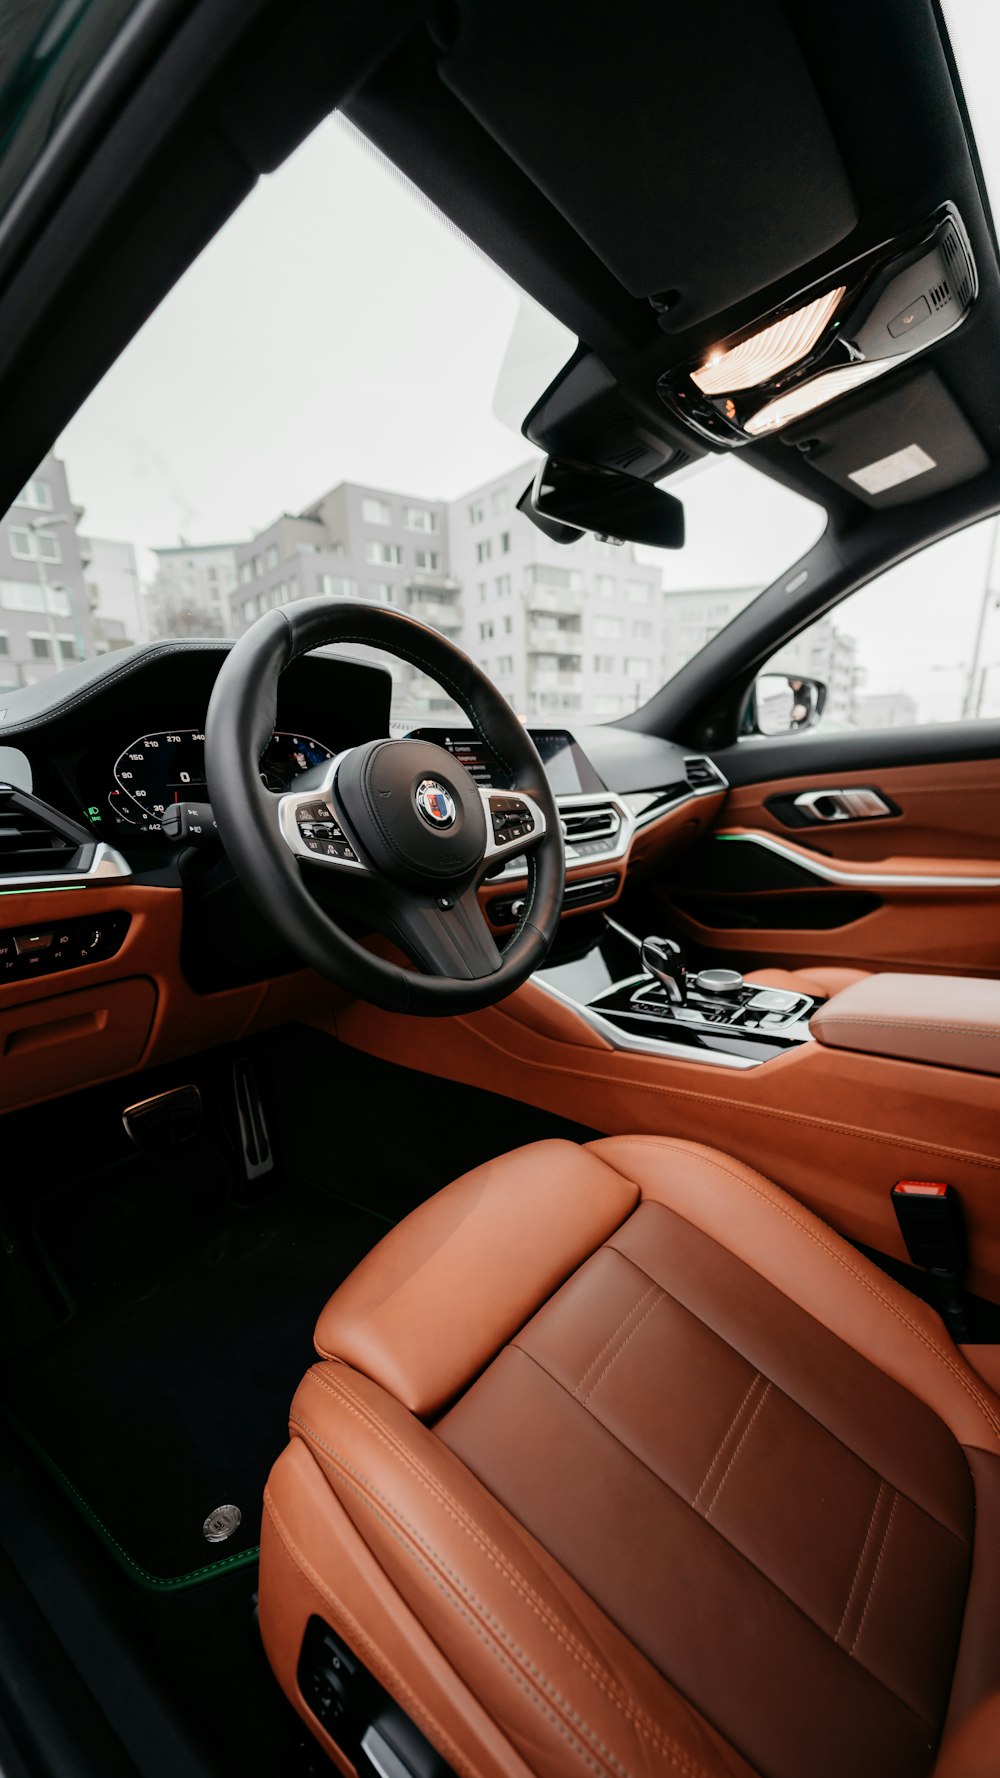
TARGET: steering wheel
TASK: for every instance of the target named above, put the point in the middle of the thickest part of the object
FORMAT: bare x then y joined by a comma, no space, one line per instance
394,832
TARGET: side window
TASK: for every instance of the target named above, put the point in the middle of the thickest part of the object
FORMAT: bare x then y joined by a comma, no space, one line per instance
921,644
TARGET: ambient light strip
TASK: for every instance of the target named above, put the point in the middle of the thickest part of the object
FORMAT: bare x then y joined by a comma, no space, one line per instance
806,396
768,353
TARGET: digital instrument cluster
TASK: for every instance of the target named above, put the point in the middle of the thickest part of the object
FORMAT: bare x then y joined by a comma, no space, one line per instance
168,766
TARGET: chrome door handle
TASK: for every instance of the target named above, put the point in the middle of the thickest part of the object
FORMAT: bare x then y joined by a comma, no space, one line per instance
841,805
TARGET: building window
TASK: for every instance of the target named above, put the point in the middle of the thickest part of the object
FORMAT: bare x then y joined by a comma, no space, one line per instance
505,666
246,573
57,600
604,663
20,543
36,493
503,586
272,555
427,559
484,550
4,642
20,595
258,566
376,512
500,500
486,631
642,631
380,592
609,629
505,543
338,586
637,667
477,512
67,648
41,647
540,575
249,610
508,625
387,555
605,584
638,592
481,587
420,518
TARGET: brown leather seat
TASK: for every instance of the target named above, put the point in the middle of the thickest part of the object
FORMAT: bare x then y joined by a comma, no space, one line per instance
619,1462
821,983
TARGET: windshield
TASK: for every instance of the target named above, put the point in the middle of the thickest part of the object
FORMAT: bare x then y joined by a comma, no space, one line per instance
316,409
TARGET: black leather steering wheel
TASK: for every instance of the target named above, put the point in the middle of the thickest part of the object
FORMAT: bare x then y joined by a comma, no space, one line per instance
393,832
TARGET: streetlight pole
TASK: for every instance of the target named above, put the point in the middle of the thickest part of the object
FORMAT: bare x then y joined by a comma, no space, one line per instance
972,701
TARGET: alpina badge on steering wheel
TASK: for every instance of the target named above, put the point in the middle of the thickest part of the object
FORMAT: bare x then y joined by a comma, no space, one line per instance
435,803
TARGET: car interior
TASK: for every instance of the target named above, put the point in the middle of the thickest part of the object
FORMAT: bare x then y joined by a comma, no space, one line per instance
500,1221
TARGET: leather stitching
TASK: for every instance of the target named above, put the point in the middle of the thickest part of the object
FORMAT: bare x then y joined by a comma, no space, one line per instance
374,1655
653,1290
780,1209
989,1034
748,1109
581,1654
881,1553
746,1434
861,1559
727,1435
396,1524
619,1439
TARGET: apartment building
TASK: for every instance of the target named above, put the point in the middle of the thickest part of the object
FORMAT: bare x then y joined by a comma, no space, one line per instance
695,615
45,618
114,593
192,590
563,630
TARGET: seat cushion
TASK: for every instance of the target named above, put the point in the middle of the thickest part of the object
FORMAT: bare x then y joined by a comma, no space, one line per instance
727,1501
822,983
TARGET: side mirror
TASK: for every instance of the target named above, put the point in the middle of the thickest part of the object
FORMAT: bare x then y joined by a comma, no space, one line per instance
784,703
568,498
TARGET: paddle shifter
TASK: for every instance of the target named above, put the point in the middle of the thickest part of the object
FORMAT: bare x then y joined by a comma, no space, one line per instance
664,960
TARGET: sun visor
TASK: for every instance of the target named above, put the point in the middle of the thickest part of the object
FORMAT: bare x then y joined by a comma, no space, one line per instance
686,144
895,444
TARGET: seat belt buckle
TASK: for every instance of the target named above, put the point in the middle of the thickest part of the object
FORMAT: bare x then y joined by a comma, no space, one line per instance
930,1220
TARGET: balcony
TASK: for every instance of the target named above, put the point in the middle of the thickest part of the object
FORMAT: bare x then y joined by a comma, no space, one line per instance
555,679
553,638
440,616
550,598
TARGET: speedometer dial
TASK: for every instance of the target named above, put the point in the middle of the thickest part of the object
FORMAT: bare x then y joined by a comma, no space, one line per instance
168,766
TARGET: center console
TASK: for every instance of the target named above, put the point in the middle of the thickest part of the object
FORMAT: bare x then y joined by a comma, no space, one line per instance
641,995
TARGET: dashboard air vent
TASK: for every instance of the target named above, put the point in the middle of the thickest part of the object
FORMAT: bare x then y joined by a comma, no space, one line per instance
703,774
34,839
590,824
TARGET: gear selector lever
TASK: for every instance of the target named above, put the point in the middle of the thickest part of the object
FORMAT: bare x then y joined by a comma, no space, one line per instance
663,959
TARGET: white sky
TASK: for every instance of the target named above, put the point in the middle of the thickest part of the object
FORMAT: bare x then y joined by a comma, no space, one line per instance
338,329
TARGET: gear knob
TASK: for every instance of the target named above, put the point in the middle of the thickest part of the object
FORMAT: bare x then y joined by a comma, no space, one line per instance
664,960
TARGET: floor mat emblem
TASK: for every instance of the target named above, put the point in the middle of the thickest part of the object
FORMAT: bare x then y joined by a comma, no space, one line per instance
221,1523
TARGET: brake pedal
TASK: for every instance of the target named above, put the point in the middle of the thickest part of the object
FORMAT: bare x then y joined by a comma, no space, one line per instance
255,1143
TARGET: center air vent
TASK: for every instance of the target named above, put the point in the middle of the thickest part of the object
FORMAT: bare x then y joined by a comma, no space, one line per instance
34,839
590,824
703,774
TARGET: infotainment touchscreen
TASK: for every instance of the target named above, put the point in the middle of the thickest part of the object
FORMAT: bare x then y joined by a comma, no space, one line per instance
567,767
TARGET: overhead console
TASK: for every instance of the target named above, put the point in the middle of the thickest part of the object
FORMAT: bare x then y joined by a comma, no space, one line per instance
858,323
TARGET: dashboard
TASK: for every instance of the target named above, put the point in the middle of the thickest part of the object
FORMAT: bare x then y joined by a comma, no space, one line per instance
567,767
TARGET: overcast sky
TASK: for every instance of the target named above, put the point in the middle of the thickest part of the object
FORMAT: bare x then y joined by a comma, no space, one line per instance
338,329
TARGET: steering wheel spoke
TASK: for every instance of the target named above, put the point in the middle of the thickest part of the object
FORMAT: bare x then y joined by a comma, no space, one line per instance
312,827
514,823
445,935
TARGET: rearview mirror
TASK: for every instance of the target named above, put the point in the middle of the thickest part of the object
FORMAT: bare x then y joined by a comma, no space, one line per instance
783,703
568,498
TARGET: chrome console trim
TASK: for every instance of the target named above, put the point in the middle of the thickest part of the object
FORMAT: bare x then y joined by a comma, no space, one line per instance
647,1046
107,865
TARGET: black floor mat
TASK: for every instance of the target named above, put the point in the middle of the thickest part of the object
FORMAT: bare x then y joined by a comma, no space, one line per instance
166,1394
